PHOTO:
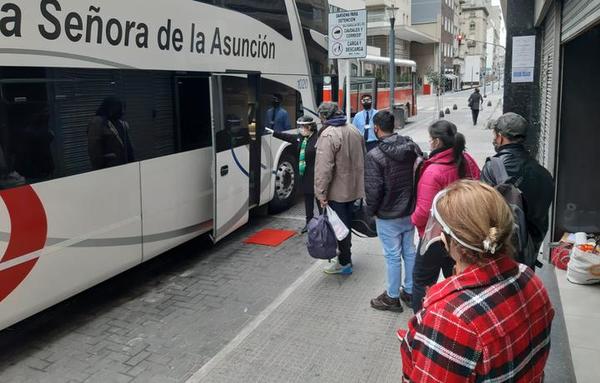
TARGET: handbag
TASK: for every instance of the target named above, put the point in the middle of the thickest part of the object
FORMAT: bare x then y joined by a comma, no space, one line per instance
363,225
322,243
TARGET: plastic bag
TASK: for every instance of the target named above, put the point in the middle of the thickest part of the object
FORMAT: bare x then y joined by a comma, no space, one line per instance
339,228
322,243
584,266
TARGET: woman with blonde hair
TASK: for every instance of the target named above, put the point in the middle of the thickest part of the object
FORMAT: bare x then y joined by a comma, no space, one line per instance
490,321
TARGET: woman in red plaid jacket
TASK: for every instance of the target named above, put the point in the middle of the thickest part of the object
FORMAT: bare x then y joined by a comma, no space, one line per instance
490,322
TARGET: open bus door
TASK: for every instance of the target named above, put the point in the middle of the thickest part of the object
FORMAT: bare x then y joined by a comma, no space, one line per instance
230,100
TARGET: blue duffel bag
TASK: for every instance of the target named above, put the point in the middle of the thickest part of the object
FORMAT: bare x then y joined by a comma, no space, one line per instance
322,243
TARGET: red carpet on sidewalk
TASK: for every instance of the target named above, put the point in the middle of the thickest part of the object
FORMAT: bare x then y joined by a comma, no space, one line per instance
270,237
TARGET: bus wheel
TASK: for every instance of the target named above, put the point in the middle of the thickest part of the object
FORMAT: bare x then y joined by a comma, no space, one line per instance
285,183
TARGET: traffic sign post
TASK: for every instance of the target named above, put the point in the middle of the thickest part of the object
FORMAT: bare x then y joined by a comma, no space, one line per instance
348,40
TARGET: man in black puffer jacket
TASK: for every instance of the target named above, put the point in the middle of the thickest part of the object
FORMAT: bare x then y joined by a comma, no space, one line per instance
390,197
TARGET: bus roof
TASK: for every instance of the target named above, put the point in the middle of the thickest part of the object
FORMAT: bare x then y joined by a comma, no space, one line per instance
386,60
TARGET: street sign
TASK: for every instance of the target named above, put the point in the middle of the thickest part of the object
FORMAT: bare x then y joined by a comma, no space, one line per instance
348,34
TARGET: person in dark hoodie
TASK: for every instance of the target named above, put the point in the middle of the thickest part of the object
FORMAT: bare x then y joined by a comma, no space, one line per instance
390,198
339,175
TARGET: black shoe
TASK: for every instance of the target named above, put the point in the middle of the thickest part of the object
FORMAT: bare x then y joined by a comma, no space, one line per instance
304,229
406,298
385,303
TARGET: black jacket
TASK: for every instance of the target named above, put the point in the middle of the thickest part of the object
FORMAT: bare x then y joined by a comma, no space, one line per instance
389,177
537,186
475,101
308,179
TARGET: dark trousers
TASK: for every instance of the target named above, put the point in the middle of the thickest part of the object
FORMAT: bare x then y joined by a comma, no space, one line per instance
475,113
427,270
309,206
344,211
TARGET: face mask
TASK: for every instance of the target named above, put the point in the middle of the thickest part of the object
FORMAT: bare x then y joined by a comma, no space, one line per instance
276,104
305,132
367,105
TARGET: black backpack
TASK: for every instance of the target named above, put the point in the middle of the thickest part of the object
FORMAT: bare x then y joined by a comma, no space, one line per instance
508,187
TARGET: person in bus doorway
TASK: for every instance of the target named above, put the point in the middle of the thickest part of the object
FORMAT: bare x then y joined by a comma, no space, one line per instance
339,175
108,136
277,117
475,103
447,163
363,120
389,188
492,320
305,141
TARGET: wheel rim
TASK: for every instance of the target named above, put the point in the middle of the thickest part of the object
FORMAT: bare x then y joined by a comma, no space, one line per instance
284,182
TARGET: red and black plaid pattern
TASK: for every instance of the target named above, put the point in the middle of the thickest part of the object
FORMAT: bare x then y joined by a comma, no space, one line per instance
489,324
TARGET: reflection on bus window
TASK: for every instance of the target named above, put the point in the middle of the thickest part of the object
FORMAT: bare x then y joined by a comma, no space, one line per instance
277,117
270,12
108,136
291,101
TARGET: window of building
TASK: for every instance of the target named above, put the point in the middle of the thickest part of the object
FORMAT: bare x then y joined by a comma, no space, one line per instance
472,26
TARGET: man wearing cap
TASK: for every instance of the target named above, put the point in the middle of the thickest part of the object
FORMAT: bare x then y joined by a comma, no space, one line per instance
363,121
277,118
534,181
339,175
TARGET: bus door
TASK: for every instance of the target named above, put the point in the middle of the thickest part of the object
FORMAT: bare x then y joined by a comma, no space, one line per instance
231,103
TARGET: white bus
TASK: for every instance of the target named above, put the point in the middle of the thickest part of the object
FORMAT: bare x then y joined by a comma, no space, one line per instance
86,194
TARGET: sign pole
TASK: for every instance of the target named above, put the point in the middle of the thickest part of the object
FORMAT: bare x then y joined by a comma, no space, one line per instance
348,95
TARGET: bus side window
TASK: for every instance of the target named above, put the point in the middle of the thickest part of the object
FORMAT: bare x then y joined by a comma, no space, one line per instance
279,105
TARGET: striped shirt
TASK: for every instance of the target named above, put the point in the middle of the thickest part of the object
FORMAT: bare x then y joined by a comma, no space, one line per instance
490,323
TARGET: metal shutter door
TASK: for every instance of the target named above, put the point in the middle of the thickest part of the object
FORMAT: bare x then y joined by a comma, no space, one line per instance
578,15
78,94
549,35
148,97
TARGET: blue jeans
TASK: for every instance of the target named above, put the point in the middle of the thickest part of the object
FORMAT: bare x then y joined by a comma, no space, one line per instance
397,238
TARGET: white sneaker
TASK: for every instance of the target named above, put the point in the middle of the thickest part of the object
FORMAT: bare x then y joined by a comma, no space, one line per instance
335,268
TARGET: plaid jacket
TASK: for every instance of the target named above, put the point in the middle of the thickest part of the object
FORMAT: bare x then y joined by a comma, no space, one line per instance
488,324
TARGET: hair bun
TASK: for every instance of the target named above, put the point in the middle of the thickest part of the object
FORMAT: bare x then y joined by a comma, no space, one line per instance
490,243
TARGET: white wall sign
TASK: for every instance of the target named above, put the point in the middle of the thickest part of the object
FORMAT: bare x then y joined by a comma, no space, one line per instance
523,58
348,34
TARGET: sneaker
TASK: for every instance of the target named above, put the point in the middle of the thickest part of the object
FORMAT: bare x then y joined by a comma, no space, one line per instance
406,298
385,303
335,268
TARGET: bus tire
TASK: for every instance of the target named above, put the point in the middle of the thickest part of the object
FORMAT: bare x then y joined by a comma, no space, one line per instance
286,183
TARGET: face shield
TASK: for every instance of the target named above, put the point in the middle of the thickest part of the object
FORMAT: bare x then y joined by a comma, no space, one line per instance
436,227
304,127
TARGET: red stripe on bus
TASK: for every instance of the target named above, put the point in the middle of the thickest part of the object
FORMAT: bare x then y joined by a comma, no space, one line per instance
28,231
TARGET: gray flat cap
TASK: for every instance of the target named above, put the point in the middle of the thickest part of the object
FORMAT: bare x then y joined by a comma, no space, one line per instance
511,125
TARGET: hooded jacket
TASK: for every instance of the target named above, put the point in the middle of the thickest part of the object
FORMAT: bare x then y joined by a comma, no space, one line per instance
389,177
537,186
437,173
340,161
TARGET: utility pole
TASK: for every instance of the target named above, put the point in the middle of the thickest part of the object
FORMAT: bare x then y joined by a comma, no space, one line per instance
392,46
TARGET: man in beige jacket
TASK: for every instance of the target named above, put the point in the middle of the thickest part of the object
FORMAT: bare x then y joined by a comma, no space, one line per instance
339,175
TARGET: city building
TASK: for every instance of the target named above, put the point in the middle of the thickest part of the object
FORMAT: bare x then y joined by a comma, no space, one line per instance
474,23
436,19
407,37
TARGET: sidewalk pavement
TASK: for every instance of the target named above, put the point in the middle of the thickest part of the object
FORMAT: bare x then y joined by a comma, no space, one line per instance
239,313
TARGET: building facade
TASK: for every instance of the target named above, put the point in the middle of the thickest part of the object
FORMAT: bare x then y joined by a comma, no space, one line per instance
559,103
436,18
